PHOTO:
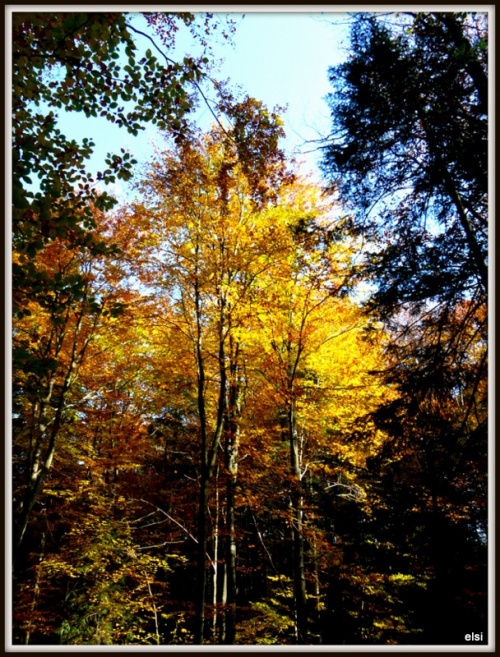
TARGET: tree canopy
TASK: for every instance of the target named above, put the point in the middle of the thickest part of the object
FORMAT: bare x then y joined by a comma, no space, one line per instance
409,151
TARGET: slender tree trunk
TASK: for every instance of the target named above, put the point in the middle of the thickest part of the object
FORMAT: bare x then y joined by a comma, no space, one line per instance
208,457
39,463
224,603
231,566
215,573
204,478
299,578
202,549
232,450
317,588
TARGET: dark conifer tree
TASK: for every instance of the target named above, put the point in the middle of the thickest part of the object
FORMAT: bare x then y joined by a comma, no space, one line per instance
408,153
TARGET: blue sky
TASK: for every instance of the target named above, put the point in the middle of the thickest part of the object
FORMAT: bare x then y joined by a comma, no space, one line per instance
279,58
283,58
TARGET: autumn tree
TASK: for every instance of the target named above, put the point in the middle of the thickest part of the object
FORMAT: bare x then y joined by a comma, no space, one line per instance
89,64
89,571
74,62
51,341
203,202
309,331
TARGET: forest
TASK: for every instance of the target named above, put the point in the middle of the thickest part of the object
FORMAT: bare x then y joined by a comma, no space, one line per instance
249,408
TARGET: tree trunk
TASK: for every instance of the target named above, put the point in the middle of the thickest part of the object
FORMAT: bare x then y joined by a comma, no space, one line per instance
232,450
317,588
299,577
202,549
231,565
39,464
208,455
215,574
